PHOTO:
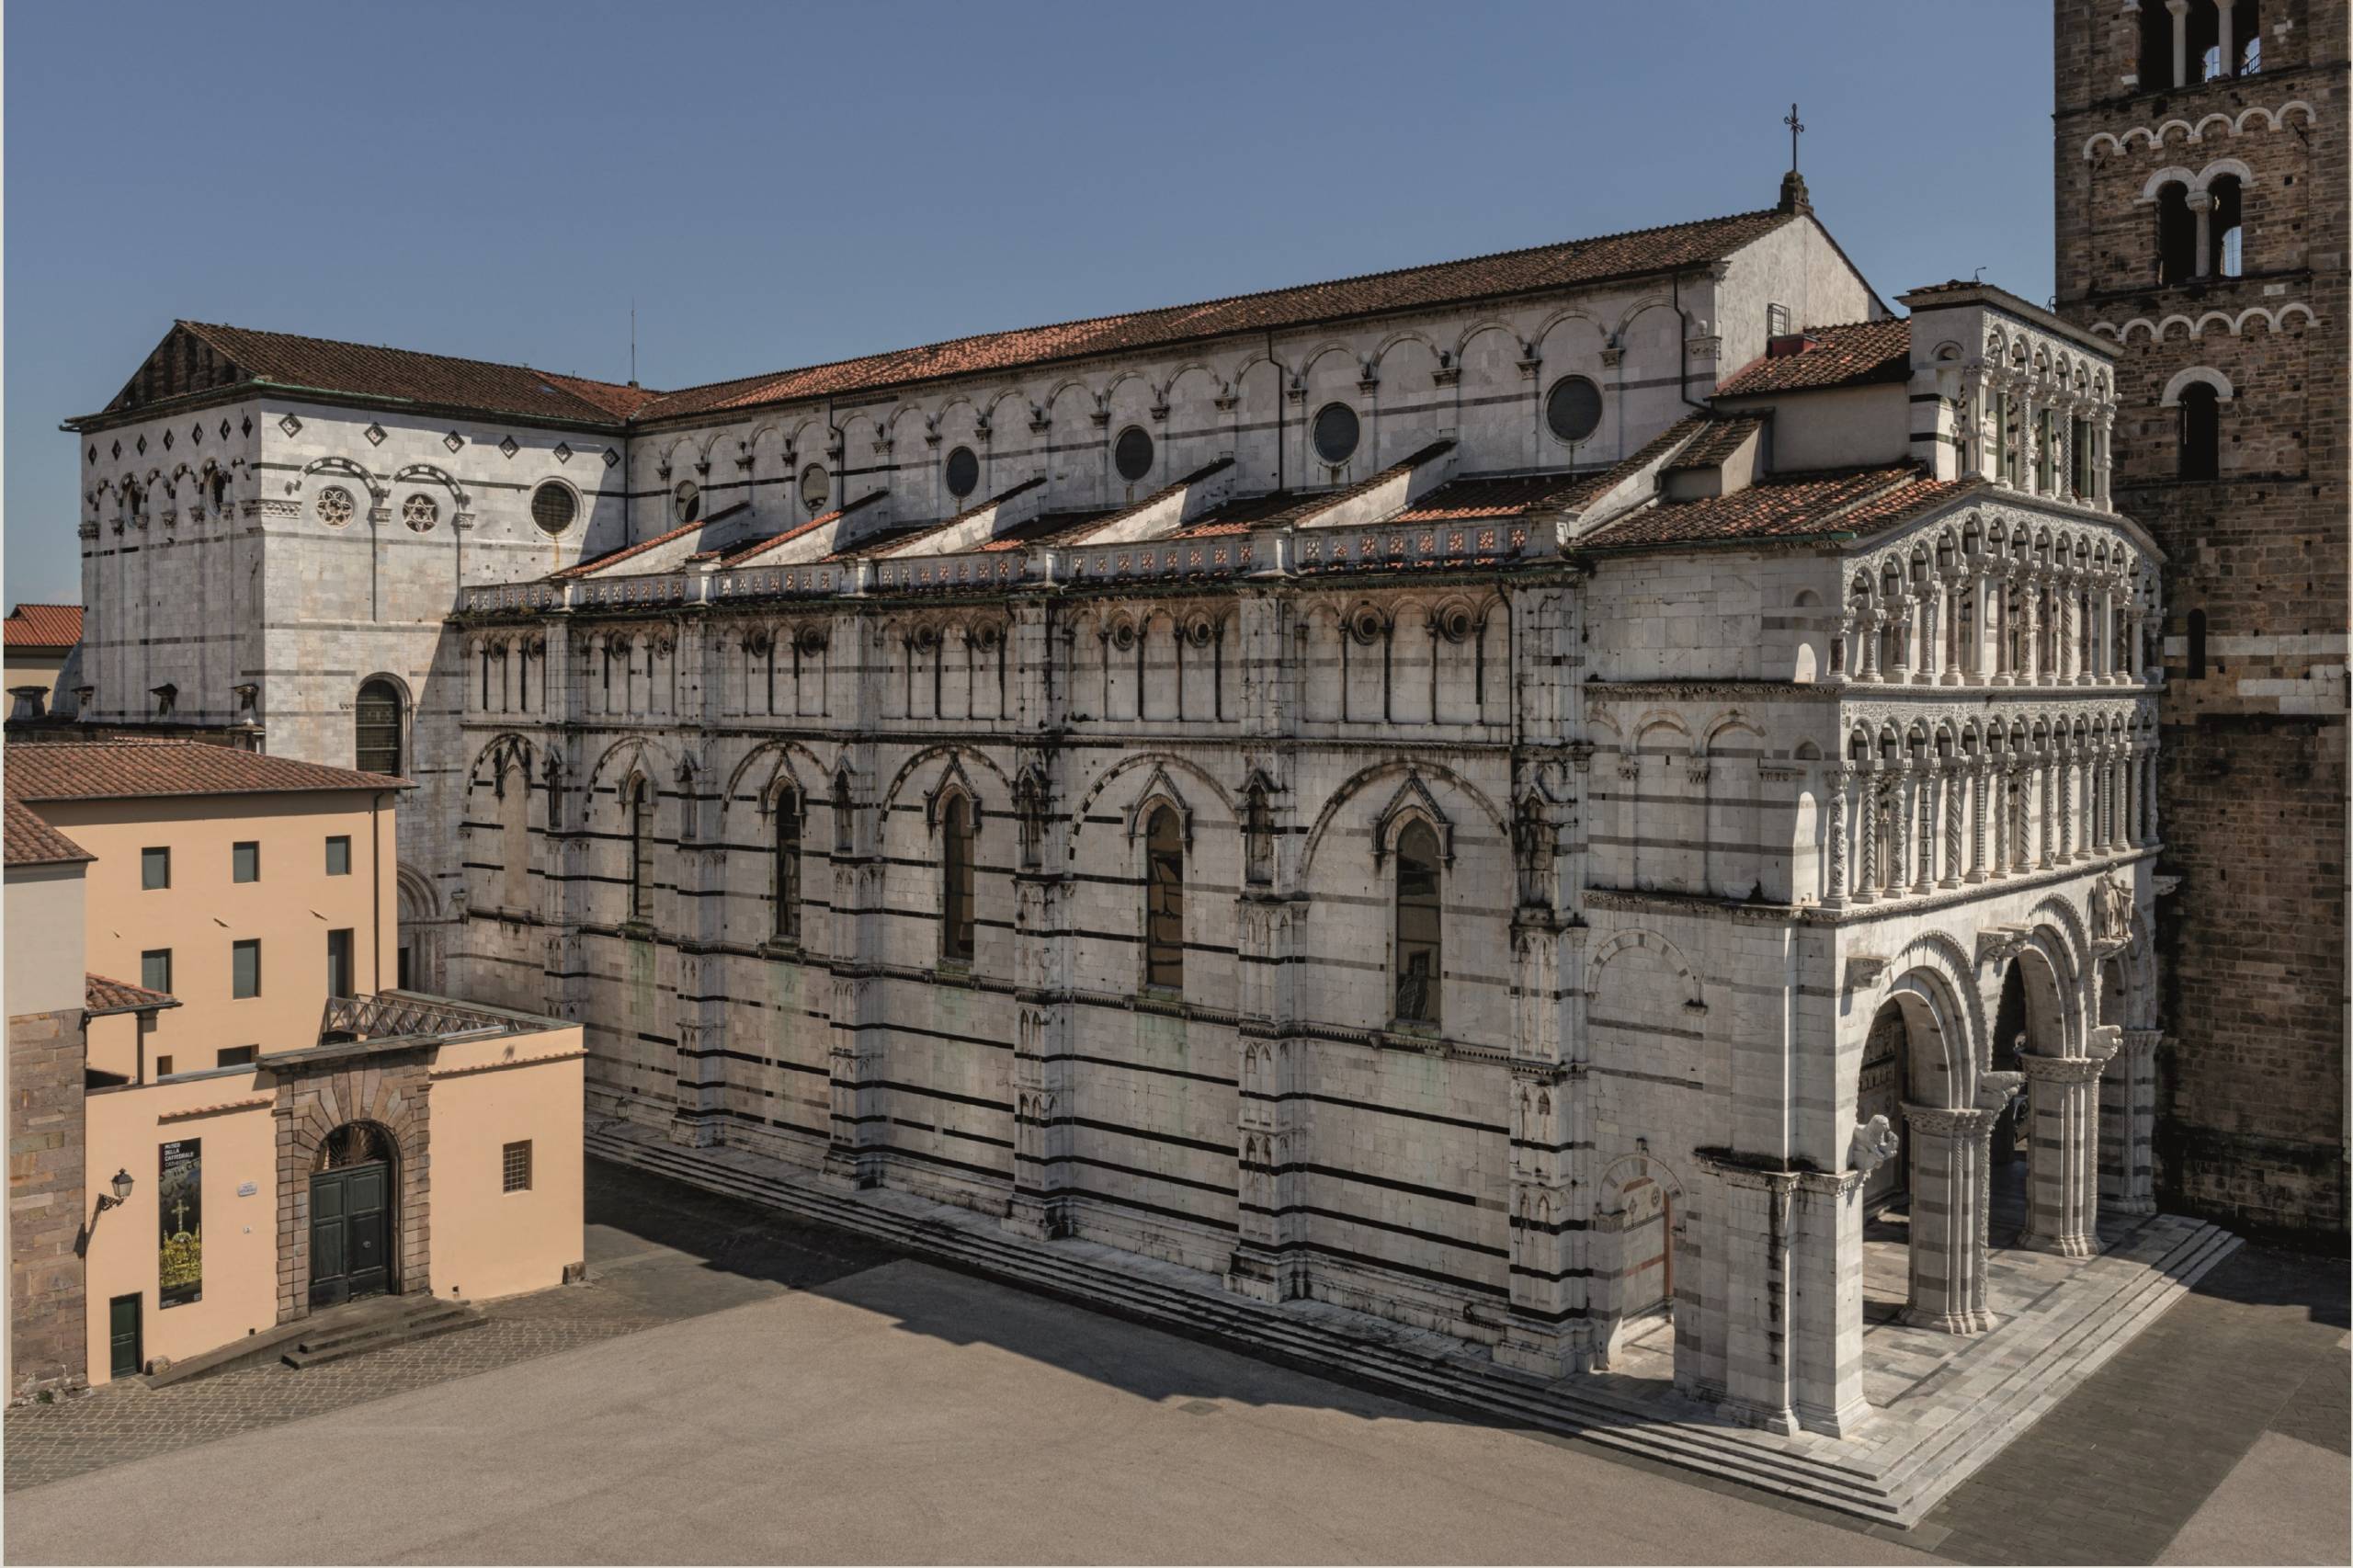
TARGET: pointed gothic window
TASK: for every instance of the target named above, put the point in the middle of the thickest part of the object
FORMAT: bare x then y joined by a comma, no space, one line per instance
1417,925
787,889
1164,963
956,879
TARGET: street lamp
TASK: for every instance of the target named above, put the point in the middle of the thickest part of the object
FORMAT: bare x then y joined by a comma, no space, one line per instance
121,1184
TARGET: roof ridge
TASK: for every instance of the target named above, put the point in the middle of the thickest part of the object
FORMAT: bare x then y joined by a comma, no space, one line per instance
1236,297
201,328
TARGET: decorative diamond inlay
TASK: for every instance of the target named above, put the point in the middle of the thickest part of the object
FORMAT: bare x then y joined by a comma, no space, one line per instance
167,440
453,440
143,446
375,434
94,452
507,444
563,452
612,457
290,424
196,434
224,428
117,451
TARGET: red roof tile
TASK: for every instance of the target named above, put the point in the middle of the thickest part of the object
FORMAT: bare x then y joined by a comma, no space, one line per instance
615,557
999,499
1859,354
114,770
1791,507
1558,265
1051,529
44,626
1715,444
1475,500
101,995
32,842
761,546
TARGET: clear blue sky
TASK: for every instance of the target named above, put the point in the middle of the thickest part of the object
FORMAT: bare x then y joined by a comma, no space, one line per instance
779,185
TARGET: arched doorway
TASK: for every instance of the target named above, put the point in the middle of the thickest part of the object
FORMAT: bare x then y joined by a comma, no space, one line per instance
1637,1228
354,1215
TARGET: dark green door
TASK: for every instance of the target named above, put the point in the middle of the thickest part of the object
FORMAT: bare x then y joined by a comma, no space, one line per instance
124,1357
350,1233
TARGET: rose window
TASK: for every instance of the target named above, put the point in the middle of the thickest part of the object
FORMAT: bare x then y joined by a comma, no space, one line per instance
335,505
419,513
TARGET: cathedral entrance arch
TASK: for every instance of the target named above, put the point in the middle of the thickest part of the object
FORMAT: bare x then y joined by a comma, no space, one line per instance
1950,1107
1637,1228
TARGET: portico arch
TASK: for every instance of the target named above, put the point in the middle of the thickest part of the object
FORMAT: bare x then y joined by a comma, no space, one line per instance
1638,1229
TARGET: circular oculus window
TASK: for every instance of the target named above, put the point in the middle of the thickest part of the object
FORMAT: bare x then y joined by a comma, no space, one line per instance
686,502
1132,453
963,472
1336,432
817,487
554,507
1573,412
335,505
420,512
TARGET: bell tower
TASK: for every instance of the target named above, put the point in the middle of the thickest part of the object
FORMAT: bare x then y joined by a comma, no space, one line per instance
2201,196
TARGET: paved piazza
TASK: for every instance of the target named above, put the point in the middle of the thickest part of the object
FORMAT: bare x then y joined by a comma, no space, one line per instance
722,1391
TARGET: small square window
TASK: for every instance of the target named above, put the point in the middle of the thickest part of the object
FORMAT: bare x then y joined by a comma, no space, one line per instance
163,1066
515,1167
155,968
245,967
339,855
239,1055
244,862
1777,320
154,868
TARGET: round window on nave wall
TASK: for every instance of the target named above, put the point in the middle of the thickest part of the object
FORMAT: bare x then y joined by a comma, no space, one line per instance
817,487
1573,412
554,507
1335,433
335,505
963,472
419,512
686,502
1132,454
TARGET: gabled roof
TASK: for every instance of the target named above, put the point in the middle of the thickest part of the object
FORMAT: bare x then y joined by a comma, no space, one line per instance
616,556
762,546
1858,354
198,356
1568,263
201,355
113,771
1799,506
101,995
1715,444
32,842
44,626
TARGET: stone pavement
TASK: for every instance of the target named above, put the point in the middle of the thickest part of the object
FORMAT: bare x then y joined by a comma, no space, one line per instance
2219,1434
656,1253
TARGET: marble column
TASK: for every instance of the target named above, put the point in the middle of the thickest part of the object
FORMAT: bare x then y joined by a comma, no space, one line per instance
2128,1120
2063,1160
1834,890
1951,1191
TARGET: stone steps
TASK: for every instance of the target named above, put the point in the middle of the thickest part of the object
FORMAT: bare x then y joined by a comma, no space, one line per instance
401,1325
1894,1486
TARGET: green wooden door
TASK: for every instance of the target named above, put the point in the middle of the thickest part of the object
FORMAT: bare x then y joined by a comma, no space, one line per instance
350,1233
125,1356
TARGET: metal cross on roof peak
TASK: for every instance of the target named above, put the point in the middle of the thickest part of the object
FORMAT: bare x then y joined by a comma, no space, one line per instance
1797,128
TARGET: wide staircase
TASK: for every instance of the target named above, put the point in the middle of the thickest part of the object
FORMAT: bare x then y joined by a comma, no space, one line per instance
1894,1473
389,1321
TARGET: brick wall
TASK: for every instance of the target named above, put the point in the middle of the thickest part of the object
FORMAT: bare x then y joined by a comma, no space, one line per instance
45,1188
2253,784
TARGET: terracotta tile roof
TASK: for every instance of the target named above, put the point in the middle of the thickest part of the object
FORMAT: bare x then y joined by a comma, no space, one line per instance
1564,265
760,546
319,364
32,842
101,995
119,771
1859,354
999,499
1244,512
1711,447
615,557
44,626
1051,527
880,542
1473,500
1788,506
1207,470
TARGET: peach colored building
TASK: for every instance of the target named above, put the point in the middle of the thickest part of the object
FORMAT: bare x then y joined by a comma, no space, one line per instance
39,637
263,1122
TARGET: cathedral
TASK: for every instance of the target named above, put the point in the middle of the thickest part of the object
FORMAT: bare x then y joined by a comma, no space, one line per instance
1607,801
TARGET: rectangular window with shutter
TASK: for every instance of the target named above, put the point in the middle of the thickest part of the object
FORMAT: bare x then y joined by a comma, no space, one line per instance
339,855
244,967
155,968
154,868
244,862
515,1167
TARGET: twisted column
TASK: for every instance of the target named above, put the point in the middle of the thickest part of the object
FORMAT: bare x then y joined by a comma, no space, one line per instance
1977,821
1954,783
1835,896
